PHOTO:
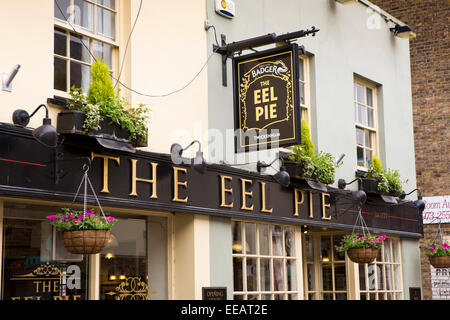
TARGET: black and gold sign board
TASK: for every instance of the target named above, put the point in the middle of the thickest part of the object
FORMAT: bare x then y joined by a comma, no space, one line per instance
266,99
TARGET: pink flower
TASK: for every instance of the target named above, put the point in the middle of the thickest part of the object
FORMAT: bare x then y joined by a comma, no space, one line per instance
51,217
371,242
110,218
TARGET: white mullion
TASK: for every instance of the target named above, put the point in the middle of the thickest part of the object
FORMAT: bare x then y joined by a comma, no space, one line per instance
244,260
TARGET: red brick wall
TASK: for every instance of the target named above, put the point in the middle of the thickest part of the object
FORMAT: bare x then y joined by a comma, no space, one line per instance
430,73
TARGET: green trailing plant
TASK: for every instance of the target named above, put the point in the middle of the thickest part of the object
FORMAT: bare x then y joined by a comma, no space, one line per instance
319,166
354,242
437,249
101,101
388,180
73,220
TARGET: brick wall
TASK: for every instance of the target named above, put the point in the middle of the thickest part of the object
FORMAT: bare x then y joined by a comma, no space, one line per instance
430,75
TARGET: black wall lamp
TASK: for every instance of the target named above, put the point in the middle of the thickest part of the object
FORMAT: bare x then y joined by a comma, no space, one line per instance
342,183
198,163
45,134
419,203
282,177
404,32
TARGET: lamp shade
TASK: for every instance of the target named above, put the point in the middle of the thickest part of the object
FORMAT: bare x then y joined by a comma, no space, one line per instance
282,177
46,134
199,163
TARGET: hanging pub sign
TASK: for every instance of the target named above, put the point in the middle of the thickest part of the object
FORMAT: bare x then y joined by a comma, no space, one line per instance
266,100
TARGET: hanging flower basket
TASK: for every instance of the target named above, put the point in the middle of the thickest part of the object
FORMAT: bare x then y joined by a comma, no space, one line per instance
86,241
83,232
362,255
361,249
438,253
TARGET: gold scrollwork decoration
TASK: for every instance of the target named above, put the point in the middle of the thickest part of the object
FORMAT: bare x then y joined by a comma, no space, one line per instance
132,288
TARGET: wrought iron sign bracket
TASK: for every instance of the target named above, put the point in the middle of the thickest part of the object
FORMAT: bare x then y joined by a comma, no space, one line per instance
227,50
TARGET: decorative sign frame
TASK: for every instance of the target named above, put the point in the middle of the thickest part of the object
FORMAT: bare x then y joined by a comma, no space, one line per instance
266,101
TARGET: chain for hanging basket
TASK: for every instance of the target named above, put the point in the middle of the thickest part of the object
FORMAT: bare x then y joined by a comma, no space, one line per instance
86,241
87,181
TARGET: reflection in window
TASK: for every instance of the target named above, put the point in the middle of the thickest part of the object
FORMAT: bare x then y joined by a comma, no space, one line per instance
267,268
30,269
123,274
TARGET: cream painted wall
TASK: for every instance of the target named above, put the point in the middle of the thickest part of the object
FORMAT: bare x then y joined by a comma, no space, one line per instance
167,50
26,37
191,257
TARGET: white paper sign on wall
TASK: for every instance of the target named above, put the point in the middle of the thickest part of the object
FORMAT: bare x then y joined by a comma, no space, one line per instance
437,209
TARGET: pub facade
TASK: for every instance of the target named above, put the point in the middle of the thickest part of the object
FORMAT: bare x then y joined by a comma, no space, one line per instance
231,224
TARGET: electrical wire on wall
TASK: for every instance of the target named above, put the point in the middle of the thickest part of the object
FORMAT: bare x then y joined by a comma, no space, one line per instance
123,58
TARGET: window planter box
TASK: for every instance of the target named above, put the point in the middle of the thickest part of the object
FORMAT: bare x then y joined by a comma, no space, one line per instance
71,122
371,186
295,170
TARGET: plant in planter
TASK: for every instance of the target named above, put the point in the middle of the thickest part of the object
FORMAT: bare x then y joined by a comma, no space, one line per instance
101,107
83,231
361,249
377,179
438,253
305,163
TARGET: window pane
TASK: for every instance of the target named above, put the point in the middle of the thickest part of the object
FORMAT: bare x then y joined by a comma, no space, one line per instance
79,46
369,97
103,52
368,139
125,275
84,15
238,297
359,137
250,238
360,93
370,116
252,297
309,248
60,43
362,114
327,296
107,3
301,69
380,277
106,24
64,6
369,161
362,277
325,248
277,240
371,276
327,279
264,241
311,277
278,275
80,76
302,93
291,274
252,278
264,270
338,256
289,241
29,271
341,296
266,297
238,278
237,236
360,156
60,74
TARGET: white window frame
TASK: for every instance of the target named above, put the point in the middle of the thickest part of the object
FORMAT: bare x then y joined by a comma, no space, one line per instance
377,293
92,36
305,108
298,293
373,131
